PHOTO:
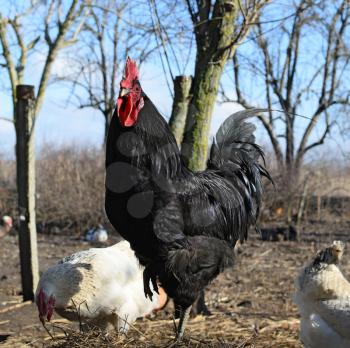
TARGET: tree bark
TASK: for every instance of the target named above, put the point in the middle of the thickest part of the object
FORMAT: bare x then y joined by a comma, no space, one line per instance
301,208
25,152
182,86
214,39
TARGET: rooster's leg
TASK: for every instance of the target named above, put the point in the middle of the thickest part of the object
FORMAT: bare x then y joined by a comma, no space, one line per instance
182,324
200,307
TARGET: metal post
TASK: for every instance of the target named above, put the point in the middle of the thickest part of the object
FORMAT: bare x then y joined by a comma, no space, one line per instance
25,153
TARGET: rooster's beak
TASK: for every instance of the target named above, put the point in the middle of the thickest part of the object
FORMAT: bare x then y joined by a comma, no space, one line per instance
123,92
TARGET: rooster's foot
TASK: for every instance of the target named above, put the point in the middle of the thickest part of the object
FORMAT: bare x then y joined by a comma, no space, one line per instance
149,275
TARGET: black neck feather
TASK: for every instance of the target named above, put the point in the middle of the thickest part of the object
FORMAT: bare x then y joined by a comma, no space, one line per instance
149,144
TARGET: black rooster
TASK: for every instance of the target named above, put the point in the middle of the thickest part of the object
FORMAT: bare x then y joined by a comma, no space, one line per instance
182,225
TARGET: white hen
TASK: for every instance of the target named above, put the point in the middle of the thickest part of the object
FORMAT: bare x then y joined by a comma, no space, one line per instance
102,286
6,224
323,298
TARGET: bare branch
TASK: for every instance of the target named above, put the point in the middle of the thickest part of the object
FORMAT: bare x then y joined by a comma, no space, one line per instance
23,49
292,80
324,135
192,13
160,36
106,41
47,23
8,58
54,46
33,43
6,119
268,124
329,73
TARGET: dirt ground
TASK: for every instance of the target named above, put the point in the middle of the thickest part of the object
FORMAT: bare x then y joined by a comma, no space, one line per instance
251,304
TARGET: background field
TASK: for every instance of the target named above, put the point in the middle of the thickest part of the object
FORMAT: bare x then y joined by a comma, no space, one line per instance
251,304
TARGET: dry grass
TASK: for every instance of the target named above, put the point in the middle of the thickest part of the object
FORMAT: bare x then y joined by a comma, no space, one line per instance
224,332
69,188
251,304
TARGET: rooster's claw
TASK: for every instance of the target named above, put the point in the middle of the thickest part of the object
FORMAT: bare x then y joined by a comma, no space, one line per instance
154,283
149,275
146,278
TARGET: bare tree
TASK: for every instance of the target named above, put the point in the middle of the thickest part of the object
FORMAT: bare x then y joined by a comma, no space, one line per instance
55,27
301,65
59,30
108,37
175,50
219,28
59,27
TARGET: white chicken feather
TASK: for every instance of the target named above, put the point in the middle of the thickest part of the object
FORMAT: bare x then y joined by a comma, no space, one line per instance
323,298
103,286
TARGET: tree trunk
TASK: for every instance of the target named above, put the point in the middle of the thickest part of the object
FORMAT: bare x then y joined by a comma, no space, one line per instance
302,201
214,45
182,86
291,185
25,152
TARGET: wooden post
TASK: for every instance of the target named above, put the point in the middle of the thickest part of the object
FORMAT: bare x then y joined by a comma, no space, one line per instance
182,86
25,153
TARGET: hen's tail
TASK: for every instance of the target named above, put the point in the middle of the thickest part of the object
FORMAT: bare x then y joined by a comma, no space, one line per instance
235,155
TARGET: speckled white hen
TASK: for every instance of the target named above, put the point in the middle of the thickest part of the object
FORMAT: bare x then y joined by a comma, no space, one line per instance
101,286
323,298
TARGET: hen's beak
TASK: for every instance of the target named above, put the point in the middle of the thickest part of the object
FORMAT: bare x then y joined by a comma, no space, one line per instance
123,92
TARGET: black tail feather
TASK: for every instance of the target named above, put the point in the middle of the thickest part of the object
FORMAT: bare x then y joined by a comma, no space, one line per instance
235,155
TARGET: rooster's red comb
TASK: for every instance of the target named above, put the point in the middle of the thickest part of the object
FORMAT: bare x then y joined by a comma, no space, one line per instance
131,72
